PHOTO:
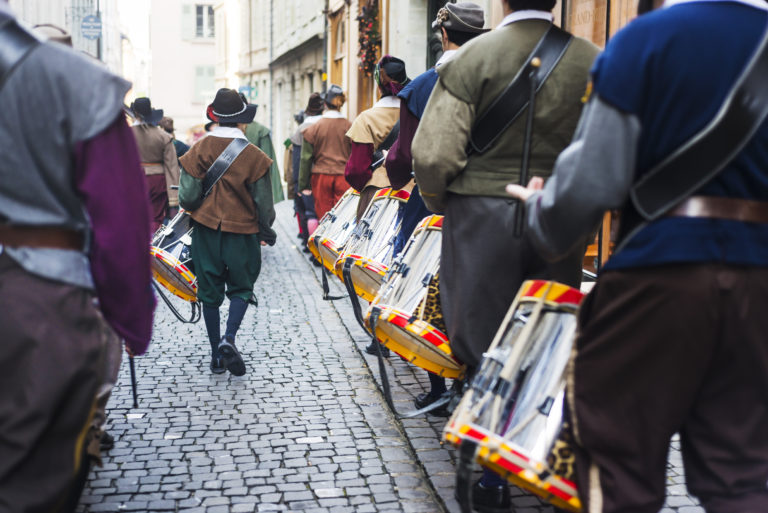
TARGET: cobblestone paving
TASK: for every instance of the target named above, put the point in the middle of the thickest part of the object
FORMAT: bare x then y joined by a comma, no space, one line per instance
306,429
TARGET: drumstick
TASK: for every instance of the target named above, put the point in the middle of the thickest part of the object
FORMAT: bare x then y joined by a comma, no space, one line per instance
133,381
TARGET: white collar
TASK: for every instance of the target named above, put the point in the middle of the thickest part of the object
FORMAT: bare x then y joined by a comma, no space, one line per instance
527,14
447,56
228,132
332,114
758,4
388,102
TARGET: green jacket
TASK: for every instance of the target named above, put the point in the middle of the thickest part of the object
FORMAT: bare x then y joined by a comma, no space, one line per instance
259,136
468,85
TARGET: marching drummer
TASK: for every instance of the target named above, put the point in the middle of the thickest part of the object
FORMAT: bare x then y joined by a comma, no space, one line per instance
231,221
324,154
375,130
158,158
73,254
672,337
482,262
458,24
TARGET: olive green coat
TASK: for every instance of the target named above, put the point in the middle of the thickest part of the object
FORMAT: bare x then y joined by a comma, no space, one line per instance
467,86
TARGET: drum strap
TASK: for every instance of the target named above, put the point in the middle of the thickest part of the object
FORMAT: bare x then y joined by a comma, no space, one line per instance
706,154
446,398
515,98
326,288
16,43
346,274
467,452
222,163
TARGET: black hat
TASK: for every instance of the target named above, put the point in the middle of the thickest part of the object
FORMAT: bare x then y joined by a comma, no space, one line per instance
141,109
461,17
395,69
314,105
229,107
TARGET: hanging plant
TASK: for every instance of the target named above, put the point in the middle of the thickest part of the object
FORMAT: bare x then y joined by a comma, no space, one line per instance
369,37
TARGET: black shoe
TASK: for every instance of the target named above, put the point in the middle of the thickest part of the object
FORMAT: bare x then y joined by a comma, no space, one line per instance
106,442
217,365
305,249
231,356
315,261
424,400
371,349
492,499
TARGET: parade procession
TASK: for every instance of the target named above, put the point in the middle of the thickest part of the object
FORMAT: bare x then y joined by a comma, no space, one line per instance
338,256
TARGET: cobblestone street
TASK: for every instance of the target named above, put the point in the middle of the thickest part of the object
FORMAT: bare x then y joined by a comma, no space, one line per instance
306,429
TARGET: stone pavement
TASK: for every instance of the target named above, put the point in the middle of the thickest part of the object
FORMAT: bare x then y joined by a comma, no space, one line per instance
306,429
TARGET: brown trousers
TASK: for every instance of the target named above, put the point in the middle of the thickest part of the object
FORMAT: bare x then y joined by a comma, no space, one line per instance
158,199
51,367
673,349
327,190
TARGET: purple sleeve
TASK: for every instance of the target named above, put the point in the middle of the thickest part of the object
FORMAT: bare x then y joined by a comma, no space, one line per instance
399,162
110,179
358,170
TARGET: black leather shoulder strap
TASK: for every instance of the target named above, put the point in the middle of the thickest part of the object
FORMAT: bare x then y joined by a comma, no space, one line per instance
514,99
707,153
222,163
15,44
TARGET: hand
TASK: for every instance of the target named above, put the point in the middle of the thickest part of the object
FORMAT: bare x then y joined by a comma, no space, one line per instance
306,192
128,350
523,193
263,243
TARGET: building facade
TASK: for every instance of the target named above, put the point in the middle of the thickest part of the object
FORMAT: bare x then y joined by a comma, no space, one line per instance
273,52
182,78
69,14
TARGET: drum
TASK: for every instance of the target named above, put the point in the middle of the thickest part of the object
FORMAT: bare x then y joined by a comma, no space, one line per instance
334,230
171,258
371,245
410,321
513,410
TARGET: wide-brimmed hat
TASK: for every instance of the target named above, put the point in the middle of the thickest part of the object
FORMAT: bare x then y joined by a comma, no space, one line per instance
229,107
461,17
141,109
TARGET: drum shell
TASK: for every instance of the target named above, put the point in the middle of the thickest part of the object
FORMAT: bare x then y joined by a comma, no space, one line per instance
371,245
403,302
513,411
334,230
172,264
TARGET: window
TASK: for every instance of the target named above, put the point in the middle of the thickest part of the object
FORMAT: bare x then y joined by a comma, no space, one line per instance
205,84
204,21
